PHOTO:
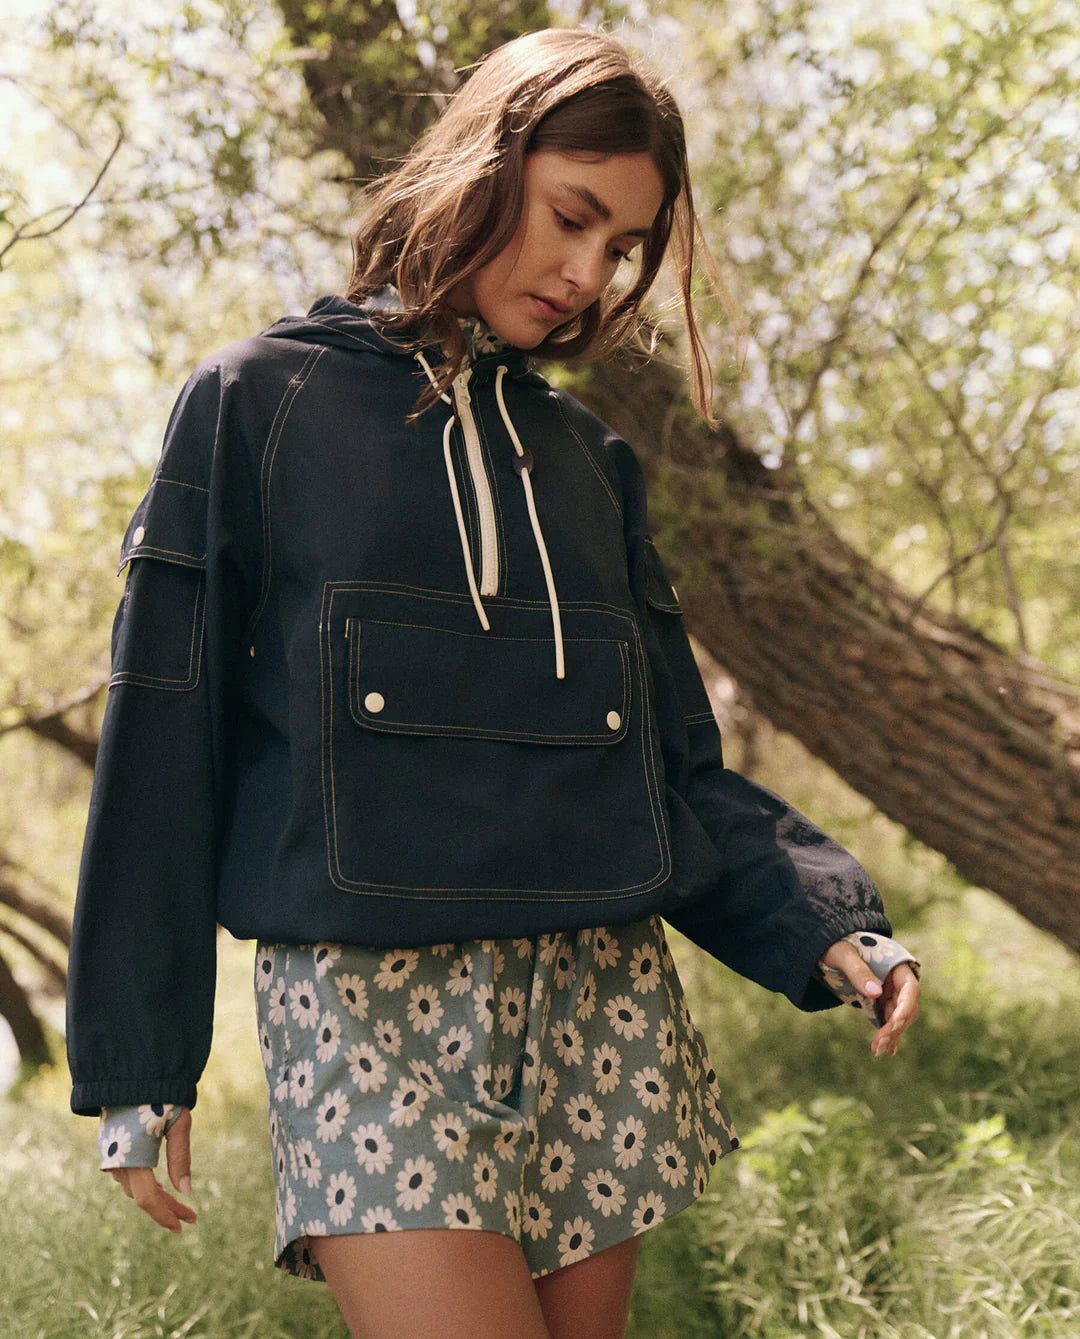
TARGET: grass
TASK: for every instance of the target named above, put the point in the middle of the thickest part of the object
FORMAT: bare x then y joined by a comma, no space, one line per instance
931,1196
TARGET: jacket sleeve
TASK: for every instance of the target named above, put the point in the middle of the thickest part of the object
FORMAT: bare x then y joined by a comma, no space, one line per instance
142,964
771,891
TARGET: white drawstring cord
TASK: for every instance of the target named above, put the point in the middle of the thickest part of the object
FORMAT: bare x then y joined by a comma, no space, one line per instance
431,376
553,599
461,527
449,462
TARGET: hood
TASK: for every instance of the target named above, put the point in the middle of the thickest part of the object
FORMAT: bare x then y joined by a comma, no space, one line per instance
335,321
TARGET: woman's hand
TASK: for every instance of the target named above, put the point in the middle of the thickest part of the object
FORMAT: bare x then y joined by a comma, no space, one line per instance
896,1000
141,1185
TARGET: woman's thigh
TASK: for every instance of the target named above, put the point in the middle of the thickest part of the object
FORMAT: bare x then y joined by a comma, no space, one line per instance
431,1283
590,1299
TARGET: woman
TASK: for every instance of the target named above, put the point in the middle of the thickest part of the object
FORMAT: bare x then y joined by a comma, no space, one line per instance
432,733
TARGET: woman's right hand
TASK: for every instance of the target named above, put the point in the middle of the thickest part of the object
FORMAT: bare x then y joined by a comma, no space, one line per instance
141,1185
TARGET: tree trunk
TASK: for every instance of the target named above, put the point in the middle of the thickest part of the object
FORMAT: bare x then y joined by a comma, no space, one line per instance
974,752
28,1033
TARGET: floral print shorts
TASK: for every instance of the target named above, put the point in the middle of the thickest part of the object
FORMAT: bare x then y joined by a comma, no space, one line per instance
553,1089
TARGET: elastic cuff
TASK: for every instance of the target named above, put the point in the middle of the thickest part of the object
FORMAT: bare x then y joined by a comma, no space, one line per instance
881,955
131,1136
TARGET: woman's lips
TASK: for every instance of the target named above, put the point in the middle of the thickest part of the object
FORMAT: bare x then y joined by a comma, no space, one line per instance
548,310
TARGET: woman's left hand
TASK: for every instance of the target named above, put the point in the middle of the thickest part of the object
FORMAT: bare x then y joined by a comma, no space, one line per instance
896,999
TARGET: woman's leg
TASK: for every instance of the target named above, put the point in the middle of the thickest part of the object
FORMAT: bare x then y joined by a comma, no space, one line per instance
431,1283
590,1300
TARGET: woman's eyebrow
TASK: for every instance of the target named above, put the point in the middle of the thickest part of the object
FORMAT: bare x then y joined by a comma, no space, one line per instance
598,207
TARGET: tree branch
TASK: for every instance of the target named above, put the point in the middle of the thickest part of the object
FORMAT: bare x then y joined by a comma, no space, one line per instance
21,235
49,724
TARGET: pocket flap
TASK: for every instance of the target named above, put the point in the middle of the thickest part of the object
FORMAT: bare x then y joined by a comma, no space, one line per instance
659,592
170,524
409,679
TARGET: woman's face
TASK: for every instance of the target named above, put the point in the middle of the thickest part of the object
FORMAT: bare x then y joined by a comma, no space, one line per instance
582,215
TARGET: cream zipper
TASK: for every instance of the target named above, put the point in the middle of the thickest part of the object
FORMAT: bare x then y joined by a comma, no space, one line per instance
489,552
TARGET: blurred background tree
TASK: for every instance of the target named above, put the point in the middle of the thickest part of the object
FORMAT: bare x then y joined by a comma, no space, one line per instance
879,543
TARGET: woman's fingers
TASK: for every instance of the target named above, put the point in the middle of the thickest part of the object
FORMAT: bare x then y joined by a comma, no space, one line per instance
178,1152
845,958
899,1007
141,1185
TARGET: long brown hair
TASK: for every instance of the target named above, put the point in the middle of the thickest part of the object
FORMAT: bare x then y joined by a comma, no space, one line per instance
454,201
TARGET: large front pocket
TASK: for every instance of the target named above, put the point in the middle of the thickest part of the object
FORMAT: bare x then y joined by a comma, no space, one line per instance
455,762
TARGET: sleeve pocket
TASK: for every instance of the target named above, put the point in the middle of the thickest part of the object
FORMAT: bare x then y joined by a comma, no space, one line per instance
157,635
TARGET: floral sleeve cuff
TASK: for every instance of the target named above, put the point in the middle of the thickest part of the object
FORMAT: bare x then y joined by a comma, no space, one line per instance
131,1136
881,955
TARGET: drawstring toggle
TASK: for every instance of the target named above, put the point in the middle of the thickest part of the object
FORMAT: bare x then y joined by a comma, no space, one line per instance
523,462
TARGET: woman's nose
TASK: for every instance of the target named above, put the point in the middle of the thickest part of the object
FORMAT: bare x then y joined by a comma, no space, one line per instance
583,268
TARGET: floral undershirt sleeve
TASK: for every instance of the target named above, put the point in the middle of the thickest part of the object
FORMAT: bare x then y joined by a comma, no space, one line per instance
131,1136
880,954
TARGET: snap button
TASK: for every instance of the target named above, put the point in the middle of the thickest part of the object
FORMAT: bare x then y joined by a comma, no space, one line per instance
374,702
138,536
614,720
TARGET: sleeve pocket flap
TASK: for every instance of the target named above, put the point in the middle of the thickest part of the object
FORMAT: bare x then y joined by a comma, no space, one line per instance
169,524
659,592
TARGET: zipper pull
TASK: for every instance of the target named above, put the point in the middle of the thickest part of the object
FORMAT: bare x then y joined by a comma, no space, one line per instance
461,386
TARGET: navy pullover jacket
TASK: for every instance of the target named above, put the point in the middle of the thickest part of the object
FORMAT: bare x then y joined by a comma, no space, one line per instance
395,682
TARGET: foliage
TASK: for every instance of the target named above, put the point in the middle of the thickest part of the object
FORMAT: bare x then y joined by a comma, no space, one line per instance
899,193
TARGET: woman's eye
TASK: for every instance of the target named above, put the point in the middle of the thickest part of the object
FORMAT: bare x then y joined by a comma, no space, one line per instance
571,225
618,255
